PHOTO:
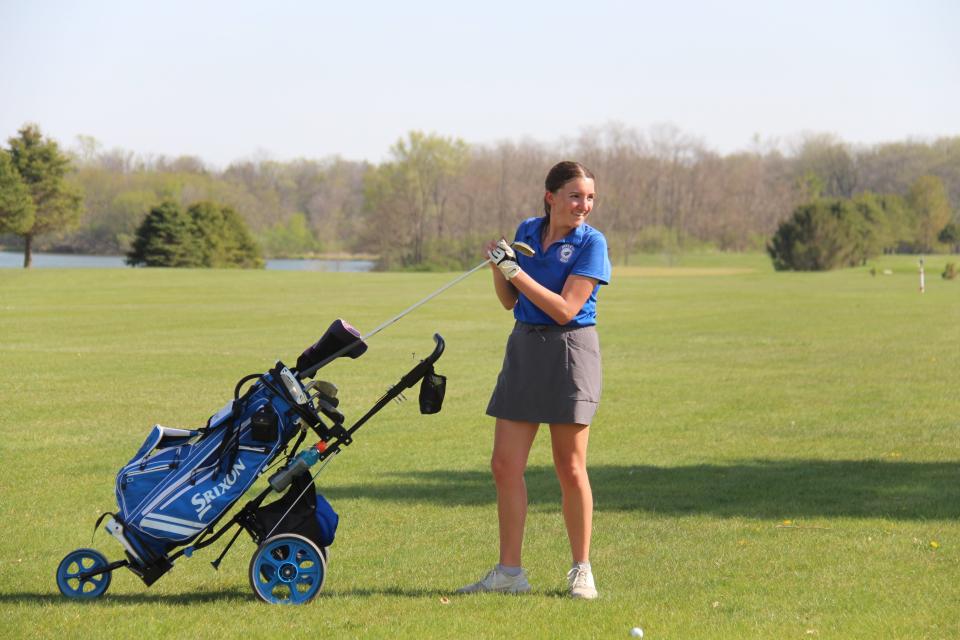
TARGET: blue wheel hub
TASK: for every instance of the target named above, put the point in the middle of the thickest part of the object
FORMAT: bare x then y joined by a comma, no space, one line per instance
288,572
73,575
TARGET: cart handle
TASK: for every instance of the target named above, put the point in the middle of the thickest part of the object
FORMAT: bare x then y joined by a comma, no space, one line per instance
323,449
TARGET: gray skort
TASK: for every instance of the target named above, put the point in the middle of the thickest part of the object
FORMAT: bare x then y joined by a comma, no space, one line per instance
550,374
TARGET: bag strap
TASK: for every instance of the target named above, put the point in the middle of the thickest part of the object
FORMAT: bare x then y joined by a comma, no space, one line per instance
96,525
296,445
232,430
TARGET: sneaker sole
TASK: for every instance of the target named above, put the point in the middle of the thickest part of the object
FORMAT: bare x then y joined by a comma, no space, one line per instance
521,590
507,591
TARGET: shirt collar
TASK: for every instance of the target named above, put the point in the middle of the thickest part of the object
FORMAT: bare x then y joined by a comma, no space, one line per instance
575,237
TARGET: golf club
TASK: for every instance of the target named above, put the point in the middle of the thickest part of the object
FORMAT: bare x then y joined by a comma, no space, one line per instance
520,247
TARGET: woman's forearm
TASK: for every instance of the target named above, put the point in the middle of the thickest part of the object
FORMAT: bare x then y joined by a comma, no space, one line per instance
506,292
562,307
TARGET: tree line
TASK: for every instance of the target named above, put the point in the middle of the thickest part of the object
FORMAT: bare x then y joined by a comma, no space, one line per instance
435,199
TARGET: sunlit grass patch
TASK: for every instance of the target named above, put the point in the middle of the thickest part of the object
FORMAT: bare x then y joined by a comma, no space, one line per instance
774,454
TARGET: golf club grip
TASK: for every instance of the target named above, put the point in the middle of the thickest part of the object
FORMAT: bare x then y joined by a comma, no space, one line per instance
437,350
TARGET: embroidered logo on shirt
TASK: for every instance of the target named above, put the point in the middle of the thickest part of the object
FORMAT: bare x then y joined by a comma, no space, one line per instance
566,252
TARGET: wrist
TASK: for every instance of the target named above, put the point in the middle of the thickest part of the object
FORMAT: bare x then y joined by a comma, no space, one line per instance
510,269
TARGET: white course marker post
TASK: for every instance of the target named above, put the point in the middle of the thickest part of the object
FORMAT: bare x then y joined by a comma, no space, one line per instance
922,284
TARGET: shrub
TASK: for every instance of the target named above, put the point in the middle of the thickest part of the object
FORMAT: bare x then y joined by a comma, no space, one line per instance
950,235
821,235
223,237
206,235
166,238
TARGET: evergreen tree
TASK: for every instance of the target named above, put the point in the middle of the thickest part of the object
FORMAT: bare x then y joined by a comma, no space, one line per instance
43,168
244,251
951,236
223,237
821,235
206,235
167,237
16,206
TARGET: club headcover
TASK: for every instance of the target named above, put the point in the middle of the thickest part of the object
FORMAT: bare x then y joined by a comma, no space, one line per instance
338,335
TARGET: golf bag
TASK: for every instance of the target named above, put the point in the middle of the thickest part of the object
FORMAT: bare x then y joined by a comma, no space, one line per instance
181,482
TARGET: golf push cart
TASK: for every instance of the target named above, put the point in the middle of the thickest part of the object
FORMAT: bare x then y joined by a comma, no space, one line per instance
178,487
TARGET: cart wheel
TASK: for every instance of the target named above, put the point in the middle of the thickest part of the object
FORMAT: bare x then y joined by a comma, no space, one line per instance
287,569
77,562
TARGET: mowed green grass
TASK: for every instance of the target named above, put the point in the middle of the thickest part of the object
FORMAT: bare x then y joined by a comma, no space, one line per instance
776,455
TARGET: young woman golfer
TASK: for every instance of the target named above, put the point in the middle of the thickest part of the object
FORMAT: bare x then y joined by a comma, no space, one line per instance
551,371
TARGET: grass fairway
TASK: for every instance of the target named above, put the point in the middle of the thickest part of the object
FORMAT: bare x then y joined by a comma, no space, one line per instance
776,456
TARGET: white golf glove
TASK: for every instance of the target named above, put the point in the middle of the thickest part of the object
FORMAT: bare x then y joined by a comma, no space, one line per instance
506,260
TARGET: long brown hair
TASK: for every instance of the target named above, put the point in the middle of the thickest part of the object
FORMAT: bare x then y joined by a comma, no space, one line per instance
559,175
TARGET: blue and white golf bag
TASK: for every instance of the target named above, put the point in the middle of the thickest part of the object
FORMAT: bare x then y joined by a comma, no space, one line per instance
182,481
174,492
178,484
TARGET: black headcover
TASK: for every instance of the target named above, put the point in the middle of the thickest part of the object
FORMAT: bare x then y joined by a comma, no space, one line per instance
338,335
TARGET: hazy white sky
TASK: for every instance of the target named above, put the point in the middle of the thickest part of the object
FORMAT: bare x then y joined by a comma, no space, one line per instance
231,80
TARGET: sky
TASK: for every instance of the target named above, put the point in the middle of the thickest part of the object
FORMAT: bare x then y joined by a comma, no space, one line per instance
228,81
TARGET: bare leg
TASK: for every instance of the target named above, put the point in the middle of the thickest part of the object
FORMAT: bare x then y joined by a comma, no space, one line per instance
511,448
570,459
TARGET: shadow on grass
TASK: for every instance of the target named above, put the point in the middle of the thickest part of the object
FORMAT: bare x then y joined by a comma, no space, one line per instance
112,599
386,591
234,597
756,488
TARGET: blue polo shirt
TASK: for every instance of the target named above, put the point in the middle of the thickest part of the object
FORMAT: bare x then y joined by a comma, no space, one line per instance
583,252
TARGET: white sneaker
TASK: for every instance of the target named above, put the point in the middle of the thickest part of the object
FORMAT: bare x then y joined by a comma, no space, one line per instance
499,582
581,584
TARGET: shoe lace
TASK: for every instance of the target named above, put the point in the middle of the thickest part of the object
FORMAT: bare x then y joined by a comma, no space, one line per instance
577,578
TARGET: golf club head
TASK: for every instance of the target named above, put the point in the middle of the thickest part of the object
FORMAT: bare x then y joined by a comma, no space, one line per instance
524,248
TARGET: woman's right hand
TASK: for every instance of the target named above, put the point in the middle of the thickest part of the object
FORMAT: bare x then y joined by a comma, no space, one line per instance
503,256
487,248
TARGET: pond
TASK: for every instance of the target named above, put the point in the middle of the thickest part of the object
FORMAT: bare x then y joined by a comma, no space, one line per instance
10,259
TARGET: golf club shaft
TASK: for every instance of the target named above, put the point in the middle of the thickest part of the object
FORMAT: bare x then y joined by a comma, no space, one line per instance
520,246
427,299
309,372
